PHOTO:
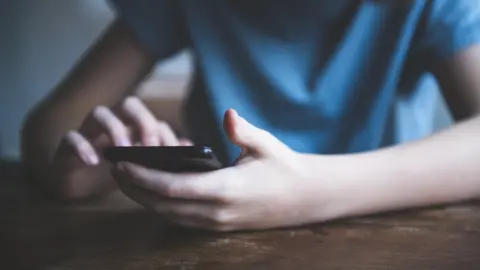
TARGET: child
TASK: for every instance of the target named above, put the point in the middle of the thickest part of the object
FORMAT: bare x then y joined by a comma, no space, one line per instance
312,84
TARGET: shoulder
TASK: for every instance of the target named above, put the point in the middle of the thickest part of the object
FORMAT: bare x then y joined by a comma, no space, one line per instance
156,24
451,26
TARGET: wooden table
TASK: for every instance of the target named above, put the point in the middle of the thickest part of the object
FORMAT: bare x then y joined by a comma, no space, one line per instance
36,234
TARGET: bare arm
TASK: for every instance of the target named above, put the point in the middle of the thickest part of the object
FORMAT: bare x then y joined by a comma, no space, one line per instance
109,71
273,186
443,168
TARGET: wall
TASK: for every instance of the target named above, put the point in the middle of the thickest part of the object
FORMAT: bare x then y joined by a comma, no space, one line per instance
41,40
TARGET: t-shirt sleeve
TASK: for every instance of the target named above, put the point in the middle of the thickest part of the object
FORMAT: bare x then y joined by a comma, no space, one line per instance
452,26
157,24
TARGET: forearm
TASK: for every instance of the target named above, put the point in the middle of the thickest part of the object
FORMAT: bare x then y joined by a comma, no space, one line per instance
109,71
443,168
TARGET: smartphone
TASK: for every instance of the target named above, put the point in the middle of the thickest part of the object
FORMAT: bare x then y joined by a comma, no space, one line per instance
166,158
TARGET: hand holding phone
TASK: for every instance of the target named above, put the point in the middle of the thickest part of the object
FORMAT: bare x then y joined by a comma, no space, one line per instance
166,158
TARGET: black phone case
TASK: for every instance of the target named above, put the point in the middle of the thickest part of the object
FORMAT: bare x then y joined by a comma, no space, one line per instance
166,158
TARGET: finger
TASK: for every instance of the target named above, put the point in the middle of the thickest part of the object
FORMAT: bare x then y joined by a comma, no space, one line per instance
152,132
194,214
185,142
167,136
145,123
212,186
249,137
81,147
186,213
112,125
198,223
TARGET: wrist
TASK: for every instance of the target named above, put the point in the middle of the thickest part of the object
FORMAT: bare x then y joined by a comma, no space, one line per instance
336,182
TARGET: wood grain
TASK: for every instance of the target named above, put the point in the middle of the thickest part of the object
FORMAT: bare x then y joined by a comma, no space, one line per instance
37,234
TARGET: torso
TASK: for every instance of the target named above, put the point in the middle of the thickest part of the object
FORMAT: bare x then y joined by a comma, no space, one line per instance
320,75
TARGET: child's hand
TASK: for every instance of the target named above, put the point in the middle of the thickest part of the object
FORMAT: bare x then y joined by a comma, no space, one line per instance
131,122
266,188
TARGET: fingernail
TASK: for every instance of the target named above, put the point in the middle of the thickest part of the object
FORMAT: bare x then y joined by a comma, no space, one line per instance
94,159
241,120
125,143
186,143
90,158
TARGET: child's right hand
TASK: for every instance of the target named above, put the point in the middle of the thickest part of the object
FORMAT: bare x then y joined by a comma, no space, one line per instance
128,123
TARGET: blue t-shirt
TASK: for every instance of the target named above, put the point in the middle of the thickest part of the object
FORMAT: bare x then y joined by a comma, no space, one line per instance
322,76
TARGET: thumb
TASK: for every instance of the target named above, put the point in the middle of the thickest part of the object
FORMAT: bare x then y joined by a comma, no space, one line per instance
250,138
